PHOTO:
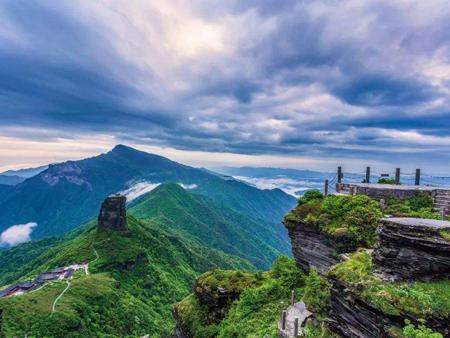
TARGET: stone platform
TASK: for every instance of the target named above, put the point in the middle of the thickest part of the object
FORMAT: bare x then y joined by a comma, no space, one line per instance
413,248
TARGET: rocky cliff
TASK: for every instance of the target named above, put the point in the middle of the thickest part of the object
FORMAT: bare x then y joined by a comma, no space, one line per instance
313,248
413,248
216,301
113,213
353,317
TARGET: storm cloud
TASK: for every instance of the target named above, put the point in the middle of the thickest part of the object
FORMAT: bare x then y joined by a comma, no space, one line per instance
346,79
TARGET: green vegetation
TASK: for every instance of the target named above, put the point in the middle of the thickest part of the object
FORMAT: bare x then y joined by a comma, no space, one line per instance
421,331
200,219
62,206
421,299
317,293
130,290
445,234
317,331
420,205
232,280
384,180
353,219
256,312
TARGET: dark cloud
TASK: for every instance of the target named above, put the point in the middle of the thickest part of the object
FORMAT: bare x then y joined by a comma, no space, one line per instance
290,77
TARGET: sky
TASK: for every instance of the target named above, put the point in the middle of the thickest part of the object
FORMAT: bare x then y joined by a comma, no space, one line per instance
300,84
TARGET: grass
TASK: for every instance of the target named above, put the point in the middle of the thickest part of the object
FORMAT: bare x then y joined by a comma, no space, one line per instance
421,299
352,220
231,280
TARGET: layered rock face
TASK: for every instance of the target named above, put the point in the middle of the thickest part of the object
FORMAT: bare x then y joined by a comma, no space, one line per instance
314,248
412,248
352,317
113,213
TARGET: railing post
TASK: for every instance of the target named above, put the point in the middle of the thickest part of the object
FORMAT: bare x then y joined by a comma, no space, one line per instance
326,188
397,176
296,327
382,205
339,175
417,182
443,213
292,297
368,175
283,320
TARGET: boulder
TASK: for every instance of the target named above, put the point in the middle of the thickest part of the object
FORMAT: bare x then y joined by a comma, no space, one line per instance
413,248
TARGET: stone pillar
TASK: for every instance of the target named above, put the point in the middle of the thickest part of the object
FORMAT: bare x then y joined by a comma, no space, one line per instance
113,214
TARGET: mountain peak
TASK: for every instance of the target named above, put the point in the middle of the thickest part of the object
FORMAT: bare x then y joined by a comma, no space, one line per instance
121,147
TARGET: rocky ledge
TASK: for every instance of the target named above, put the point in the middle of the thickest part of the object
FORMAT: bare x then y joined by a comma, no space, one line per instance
312,247
353,317
413,248
113,213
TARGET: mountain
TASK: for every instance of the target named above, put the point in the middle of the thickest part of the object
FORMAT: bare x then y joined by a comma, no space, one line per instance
67,194
210,224
134,275
11,180
25,173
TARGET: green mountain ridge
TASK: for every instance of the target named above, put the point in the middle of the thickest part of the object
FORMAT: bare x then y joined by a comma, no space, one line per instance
134,278
197,217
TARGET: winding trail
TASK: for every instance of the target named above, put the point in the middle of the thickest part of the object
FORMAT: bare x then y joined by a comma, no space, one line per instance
86,269
97,256
60,295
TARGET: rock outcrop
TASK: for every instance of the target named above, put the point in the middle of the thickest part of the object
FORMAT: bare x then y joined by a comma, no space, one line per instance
113,213
218,300
413,248
351,316
312,247
181,329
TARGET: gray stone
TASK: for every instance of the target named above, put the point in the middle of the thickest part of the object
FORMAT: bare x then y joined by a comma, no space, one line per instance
113,213
412,248
353,317
312,247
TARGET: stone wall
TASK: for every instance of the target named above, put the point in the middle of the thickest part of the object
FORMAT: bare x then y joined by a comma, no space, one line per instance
381,191
412,248
113,213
